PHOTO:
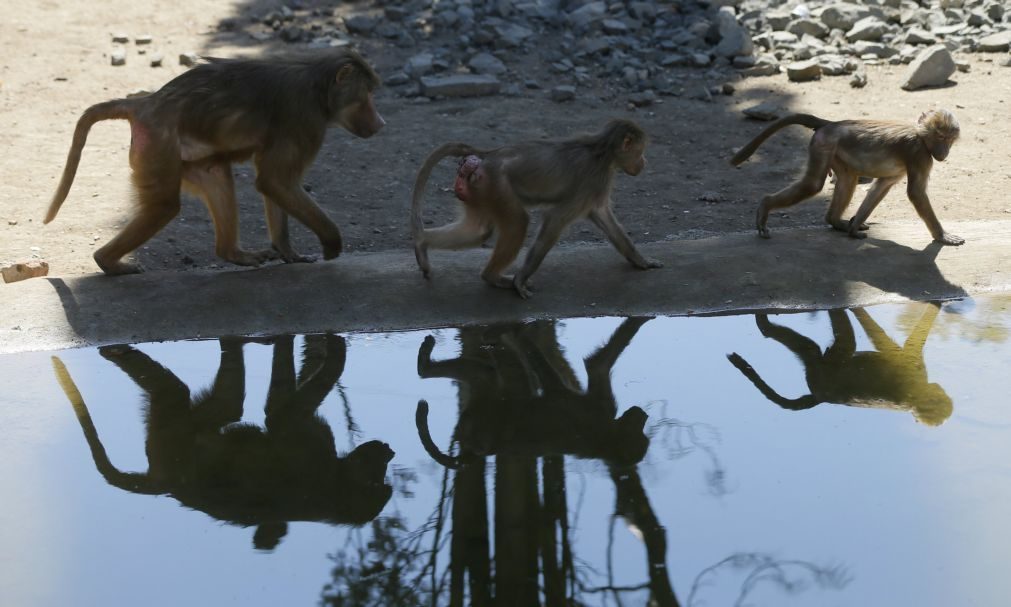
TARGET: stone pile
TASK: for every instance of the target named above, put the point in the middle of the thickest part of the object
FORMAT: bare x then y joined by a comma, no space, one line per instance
482,47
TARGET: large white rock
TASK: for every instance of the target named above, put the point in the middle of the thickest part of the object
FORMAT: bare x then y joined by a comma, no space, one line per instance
932,67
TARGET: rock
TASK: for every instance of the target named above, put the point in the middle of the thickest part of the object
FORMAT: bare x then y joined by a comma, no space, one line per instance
486,63
734,39
995,10
876,49
143,39
118,57
843,15
642,99
701,59
995,43
156,59
859,79
765,65
460,85
614,27
962,66
917,35
777,20
809,27
784,38
188,59
868,28
23,270
397,79
931,68
588,13
360,24
563,92
512,34
803,71
1006,62
120,38
763,111
420,65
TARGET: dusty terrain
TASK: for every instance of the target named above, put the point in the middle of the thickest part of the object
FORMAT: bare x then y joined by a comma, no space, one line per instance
56,63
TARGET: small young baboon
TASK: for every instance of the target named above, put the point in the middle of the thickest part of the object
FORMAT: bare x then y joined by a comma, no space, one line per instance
572,177
188,133
864,148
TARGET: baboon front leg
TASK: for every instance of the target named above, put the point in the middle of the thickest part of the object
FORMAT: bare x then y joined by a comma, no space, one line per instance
216,187
845,186
819,159
277,227
874,196
917,191
278,178
604,219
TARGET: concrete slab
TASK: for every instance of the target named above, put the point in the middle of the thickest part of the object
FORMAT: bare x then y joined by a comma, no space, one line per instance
814,268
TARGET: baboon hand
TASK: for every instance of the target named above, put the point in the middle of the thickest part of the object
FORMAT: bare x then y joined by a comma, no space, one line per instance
648,263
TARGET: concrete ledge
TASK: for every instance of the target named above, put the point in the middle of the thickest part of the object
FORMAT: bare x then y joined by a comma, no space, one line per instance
813,268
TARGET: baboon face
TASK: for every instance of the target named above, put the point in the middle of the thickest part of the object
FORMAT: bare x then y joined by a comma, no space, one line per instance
940,130
355,105
632,158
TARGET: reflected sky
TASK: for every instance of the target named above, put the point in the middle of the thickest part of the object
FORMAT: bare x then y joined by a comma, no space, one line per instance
857,497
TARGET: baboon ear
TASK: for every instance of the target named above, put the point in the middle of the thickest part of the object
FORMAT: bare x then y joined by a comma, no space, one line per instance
923,117
345,72
626,144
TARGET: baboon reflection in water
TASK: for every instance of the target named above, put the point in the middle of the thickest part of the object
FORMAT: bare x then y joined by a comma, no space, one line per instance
893,377
524,397
199,453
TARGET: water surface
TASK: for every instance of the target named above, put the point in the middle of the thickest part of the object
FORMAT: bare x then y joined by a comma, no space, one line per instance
830,458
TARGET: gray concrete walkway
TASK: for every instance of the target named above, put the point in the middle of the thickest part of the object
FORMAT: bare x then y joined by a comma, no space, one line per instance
814,268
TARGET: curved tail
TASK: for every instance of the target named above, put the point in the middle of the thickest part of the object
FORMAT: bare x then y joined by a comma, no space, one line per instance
120,109
130,481
421,421
417,223
811,122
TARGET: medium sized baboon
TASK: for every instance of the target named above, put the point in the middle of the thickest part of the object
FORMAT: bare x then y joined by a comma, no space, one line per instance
572,178
852,149
187,134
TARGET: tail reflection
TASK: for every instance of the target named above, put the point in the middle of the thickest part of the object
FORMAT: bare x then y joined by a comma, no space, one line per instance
892,377
199,453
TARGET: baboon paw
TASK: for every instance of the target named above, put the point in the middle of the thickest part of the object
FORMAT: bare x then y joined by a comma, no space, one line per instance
649,264
294,257
857,234
121,268
950,239
331,252
241,257
863,227
764,233
523,291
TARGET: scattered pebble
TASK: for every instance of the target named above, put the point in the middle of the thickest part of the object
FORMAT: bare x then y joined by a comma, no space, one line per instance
118,57
120,38
189,59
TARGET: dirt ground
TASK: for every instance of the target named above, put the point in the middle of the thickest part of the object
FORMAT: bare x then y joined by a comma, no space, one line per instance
55,63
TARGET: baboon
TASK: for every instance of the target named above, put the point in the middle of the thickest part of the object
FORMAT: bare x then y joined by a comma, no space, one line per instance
572,177
852,149
187,134
200,453
892,377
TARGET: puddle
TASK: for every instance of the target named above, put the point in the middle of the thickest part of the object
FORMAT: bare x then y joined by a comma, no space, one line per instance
845,458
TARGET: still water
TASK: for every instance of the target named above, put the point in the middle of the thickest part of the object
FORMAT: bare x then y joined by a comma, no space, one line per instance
851,457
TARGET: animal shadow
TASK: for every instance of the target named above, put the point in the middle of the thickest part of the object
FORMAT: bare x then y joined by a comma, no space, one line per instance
890,377
200,453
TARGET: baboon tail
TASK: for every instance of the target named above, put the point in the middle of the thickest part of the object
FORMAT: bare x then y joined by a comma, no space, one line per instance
120,109
448,149
811,122
129,481
421,420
